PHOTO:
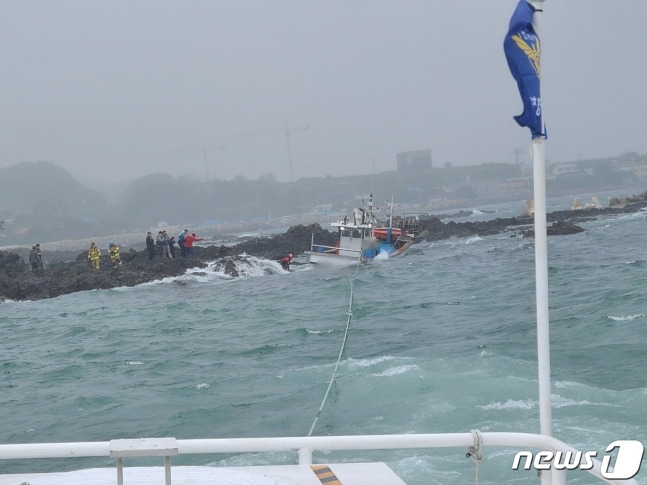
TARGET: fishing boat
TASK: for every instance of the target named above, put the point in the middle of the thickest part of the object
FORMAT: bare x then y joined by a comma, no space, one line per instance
362,238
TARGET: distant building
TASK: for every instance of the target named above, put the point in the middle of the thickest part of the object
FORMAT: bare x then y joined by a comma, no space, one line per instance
640,171
415,159
564,169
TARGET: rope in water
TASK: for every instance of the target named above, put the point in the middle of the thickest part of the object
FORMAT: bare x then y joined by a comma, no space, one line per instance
349,313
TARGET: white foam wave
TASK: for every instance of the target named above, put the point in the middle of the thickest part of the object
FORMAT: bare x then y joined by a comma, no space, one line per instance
245,266
557,401
394,371
203,385
626,318
474,239
354,363
562,402
319,332
369,362
564,384
134,362
511,404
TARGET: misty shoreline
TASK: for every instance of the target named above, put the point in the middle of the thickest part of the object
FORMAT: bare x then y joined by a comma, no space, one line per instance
59,277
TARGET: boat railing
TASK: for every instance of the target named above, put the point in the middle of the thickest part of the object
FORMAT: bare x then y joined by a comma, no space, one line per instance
323,249
320,248
305,446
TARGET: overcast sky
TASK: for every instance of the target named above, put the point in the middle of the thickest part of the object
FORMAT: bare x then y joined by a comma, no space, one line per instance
117,89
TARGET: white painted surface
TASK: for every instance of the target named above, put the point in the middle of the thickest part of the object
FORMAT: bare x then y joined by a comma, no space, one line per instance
347,473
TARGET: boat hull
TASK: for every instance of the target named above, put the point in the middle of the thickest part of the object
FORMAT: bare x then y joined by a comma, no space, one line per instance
330,259
341,258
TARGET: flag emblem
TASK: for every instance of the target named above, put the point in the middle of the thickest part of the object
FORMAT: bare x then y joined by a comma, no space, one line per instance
523,51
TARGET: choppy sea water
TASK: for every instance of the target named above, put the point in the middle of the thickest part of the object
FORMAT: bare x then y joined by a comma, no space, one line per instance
442,339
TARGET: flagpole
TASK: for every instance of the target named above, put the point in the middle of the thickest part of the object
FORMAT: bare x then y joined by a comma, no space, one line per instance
541,272
541,264
522,49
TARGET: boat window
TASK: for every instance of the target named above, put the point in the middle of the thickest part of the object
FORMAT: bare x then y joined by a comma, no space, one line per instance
345,232
357,233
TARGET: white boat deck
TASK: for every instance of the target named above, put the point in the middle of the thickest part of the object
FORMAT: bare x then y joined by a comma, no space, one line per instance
331,474
303,473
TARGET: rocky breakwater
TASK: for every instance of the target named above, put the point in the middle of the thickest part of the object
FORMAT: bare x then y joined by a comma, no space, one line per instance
62,276
561,222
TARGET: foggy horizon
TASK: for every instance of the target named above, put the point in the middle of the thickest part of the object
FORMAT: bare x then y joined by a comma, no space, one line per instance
114,91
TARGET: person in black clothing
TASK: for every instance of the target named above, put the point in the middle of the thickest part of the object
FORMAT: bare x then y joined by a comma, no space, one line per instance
171,246
39,255
150,245
33,258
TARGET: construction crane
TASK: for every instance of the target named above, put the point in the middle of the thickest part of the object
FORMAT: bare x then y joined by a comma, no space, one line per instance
287,132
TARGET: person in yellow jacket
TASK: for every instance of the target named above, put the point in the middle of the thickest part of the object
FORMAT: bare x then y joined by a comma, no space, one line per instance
113,249
94,254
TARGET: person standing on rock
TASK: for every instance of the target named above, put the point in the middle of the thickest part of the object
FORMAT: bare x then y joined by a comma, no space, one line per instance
160,244
171,246
150,245
180,242
188,244
166,250
33,258
94,255
39,256
113,249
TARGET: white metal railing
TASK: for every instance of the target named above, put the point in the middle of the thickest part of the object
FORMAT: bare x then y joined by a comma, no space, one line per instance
327,249
323,250
304,446
330,249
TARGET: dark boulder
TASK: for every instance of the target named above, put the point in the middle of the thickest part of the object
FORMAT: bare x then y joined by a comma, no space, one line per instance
437,230
11,264
559,228
295,241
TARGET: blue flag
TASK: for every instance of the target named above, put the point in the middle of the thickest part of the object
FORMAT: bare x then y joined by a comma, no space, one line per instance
522,49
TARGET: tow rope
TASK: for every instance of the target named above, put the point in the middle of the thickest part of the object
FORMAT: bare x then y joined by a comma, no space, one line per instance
349,314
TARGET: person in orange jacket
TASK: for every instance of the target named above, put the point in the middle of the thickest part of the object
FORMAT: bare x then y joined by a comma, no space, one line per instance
285,262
